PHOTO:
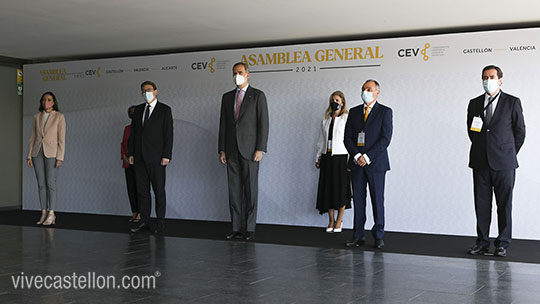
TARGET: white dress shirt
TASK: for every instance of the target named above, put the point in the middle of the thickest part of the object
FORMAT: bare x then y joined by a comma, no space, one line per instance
152,106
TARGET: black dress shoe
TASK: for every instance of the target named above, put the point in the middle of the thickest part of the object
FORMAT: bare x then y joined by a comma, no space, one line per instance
141,226
478,250
250,236
160,229
234,235
354,242
379,244
500,252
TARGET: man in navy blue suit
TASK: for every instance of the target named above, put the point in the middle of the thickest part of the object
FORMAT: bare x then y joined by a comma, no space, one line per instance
497,131
367,135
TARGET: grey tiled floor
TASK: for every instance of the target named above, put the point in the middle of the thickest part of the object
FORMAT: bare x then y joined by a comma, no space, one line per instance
207,271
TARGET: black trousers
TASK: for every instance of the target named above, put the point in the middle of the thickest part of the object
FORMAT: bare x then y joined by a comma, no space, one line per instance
132,188
486,182
151,175
243,181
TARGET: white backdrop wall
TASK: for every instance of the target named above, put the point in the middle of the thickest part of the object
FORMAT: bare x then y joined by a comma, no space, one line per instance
429,188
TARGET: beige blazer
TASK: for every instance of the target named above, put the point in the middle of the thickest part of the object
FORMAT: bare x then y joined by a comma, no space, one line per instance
52,136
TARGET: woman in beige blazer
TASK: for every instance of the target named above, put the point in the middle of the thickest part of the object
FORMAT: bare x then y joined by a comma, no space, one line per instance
46,153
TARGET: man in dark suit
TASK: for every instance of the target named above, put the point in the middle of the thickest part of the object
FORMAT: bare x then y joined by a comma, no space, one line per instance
150,151
497,131
243,135
367,135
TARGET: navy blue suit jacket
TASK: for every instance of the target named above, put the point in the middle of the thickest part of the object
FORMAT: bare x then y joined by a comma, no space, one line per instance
378,129
498,143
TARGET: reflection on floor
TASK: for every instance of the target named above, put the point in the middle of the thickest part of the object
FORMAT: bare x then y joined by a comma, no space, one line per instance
213,271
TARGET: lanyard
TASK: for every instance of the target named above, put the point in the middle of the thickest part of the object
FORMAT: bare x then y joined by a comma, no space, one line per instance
492,100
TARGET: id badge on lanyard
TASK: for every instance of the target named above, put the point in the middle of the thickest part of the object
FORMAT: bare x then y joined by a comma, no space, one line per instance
476,125
361,139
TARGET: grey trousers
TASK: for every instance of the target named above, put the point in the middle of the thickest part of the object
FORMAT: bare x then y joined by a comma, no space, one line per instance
243,176
46,171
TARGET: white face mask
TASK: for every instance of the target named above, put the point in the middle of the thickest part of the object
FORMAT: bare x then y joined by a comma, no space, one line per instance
239,79
148,96
367,97
490,85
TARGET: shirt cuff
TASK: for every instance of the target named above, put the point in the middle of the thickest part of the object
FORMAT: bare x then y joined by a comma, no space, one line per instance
357,156
366,157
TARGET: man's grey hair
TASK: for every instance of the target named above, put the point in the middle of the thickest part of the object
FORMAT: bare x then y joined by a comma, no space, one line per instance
375,82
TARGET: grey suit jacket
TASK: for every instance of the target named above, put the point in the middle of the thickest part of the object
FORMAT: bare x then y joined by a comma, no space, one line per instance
250,131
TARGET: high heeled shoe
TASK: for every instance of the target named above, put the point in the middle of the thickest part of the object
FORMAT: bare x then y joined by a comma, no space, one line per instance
330,229
338,230
42,218
51,220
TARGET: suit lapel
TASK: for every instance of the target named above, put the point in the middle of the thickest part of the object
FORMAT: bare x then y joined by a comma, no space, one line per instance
50,120
229,106
40,124
480,107
498,109
327,123
372,113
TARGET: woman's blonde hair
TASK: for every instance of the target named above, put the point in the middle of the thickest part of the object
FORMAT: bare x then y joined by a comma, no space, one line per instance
329,111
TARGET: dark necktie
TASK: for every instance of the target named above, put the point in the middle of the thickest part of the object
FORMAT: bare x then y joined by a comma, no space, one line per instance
146,115
489,110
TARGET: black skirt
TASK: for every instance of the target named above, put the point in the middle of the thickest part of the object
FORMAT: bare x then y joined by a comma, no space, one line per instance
334,183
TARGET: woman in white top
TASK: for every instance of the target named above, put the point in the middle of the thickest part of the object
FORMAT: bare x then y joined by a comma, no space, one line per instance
334,192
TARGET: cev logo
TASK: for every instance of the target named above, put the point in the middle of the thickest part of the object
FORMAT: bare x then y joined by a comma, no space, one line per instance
203,65
93,72
426,46
414,52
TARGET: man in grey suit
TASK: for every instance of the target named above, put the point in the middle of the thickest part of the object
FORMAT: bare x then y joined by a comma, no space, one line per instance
243,135
497,131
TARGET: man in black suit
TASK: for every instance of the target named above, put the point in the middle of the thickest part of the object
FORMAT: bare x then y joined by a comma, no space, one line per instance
243,135
150,151
497,131
368,133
